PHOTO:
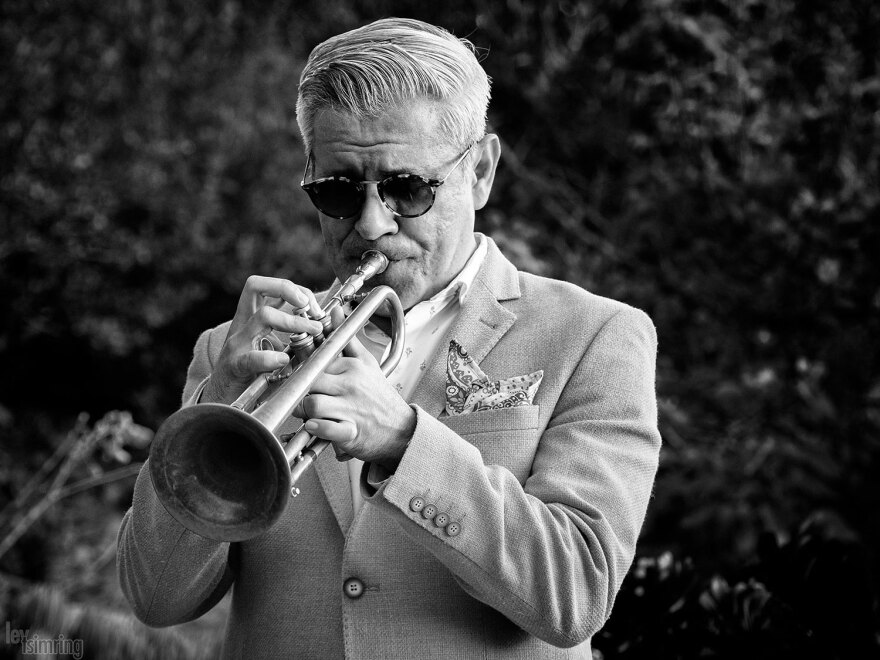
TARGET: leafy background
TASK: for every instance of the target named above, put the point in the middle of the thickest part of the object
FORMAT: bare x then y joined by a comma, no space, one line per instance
716,164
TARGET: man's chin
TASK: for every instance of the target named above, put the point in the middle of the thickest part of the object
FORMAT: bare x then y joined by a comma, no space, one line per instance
401,289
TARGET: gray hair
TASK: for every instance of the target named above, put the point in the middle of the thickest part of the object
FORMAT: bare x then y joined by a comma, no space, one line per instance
390,61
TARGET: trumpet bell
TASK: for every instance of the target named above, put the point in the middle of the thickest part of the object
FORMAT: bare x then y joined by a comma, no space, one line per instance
220,472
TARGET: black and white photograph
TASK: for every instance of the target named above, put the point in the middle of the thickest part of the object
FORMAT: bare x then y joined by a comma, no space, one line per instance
498,329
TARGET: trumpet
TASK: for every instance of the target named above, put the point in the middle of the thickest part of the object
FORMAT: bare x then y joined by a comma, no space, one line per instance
223,471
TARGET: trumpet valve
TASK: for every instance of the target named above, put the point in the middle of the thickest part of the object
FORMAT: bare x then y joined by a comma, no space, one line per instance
302,344
327,324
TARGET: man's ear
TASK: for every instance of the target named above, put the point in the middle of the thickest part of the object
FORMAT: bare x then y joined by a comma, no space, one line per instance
489,152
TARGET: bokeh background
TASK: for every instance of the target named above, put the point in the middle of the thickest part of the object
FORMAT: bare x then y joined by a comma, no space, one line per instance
716,164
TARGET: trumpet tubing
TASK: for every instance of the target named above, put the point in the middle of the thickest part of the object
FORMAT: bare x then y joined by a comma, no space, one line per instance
222,471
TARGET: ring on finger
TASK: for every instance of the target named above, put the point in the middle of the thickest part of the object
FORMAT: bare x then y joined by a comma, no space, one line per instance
302,406
262,344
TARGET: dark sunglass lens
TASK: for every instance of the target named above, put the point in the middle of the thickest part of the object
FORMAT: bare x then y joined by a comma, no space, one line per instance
407,195
337,198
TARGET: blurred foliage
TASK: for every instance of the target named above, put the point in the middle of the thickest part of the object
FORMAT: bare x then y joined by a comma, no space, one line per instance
807,597
86,450
714,163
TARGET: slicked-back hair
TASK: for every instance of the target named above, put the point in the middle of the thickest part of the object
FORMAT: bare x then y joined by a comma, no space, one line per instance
392,61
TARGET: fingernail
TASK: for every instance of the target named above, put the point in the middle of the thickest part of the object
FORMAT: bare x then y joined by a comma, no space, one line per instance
281,360
311,426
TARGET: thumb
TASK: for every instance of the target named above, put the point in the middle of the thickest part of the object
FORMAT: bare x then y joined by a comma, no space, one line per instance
355,349
337,316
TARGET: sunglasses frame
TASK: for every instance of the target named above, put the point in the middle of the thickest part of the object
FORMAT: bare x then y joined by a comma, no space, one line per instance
360,186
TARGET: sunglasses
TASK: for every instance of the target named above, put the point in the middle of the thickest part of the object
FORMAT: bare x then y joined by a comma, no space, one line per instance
405,195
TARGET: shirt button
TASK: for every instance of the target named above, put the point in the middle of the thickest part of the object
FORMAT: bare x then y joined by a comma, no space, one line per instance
453,528
353,588
429,512
417,504
441,520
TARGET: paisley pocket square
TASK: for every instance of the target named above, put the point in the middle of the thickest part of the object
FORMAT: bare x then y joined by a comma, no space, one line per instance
468,389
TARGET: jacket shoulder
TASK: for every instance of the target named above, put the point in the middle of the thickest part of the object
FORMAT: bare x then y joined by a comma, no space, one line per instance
570,304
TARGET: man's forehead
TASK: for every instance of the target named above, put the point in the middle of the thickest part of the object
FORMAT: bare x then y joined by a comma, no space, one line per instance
414,124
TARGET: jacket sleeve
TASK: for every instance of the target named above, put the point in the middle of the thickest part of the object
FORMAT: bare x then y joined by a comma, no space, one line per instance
168,574
549,554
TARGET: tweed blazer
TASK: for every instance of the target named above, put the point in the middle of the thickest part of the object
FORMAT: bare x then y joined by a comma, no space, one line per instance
549,497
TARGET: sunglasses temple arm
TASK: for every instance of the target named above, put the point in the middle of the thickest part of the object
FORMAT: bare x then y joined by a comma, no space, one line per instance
306,170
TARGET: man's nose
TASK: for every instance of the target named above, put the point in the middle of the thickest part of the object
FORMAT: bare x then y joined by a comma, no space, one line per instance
376,219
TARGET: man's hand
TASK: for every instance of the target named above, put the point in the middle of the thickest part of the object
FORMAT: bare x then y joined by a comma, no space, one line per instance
258,315
353,406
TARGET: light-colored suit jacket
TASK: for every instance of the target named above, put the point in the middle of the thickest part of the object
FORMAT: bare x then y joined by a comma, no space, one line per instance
550,499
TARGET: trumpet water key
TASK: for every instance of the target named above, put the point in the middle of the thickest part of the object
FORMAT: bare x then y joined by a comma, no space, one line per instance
222,471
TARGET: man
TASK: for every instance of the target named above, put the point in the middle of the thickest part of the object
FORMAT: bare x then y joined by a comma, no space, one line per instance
500,474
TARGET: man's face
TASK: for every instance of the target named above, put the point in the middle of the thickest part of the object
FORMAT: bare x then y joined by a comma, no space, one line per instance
426,252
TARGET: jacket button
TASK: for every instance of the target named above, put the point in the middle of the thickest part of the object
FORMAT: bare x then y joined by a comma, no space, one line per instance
453,528
417,504
441,520
429,512
353,588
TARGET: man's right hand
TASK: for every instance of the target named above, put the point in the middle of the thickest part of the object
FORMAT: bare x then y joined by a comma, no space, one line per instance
258,315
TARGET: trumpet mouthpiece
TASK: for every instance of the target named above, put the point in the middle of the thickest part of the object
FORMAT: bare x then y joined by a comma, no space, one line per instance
372,263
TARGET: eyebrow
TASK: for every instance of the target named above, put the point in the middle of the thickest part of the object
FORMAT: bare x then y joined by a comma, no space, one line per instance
346,172
384,174
349,172
354,175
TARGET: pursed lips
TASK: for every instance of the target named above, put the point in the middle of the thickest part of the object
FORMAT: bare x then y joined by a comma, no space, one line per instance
393,255
392,272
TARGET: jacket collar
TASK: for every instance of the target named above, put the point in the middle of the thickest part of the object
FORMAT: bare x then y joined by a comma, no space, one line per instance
500,277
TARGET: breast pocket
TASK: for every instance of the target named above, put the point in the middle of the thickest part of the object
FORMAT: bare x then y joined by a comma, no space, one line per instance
505,436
